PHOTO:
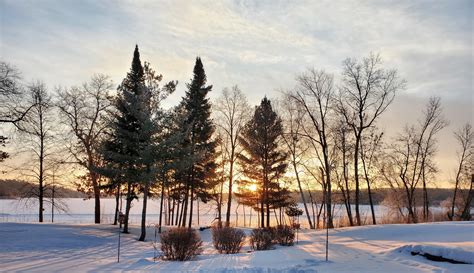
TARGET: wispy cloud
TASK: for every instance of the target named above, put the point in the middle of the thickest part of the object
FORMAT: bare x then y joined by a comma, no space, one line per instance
259,45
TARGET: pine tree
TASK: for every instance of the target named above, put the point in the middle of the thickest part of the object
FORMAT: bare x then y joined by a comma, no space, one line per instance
263,162
197,142
130,151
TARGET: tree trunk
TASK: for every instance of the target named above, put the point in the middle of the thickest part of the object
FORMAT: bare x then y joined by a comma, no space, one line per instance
328,195
250,216
231,178
127,207
456,186
452,216
191,206
219,206
184,207
96,203
197,206
369,192
302,196
178,214
143,224
426,204
316,224
267,204
371,203
161,204
41,179
347,192
466,212
172,211
356,177
41,194
276,217
411,212
117,199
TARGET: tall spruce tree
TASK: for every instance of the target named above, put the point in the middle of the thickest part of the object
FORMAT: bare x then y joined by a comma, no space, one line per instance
130,150
263,162
198,142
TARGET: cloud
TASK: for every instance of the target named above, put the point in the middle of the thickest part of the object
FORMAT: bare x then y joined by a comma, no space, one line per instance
259,45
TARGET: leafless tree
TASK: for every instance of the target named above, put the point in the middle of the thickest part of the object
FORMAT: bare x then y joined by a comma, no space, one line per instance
344,148
315,94
396,169
370,150
410,161
13,106
366,92
465,139
433,123
83,110
293,118
233,112
37,129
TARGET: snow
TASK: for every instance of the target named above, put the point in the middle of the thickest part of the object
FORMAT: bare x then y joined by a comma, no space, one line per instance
382,248
459,253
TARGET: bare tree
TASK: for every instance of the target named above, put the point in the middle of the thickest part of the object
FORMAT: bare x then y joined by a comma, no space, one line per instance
233,112
433,123
293,117
83,110
466,211
465,139
369,152
12,103
366,92
37,128
13,107
396,169
344,148
221,174
411,157
315,94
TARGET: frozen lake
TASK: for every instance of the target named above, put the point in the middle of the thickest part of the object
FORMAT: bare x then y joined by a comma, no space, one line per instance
81,211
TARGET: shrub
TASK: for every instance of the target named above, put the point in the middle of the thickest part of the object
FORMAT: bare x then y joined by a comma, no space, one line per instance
227,240
180,244
262,238
284,235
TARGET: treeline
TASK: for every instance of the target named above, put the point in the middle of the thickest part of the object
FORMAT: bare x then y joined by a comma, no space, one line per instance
319,135
438,197
13,189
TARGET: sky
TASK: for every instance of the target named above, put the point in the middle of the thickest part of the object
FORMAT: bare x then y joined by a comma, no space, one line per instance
261,46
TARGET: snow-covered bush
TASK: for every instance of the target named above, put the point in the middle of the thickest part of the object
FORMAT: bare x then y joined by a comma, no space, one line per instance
262,238
284,235
227,240
180,244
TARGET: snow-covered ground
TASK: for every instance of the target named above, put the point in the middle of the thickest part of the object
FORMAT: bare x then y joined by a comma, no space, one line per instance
382,248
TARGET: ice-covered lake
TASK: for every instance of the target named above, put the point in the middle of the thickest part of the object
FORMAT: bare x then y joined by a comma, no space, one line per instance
82,211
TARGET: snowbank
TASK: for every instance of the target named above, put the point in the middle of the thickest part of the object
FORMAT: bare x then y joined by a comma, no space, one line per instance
457,254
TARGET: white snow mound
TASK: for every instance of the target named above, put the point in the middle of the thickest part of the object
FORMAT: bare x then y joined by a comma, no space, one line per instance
458,254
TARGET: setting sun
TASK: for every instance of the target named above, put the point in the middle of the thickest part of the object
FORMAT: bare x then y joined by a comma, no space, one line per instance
253,187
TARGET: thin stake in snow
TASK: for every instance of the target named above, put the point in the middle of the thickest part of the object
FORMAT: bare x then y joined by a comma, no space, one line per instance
121,220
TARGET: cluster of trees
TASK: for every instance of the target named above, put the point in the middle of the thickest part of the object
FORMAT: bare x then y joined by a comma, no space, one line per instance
320,134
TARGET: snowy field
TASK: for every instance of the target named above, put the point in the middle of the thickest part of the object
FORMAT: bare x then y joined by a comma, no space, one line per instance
383,248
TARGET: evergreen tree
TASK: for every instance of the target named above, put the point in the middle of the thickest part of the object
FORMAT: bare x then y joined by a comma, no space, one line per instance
198,143
263,162
130,151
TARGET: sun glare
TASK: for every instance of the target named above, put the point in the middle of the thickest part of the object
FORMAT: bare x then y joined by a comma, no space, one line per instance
253,187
